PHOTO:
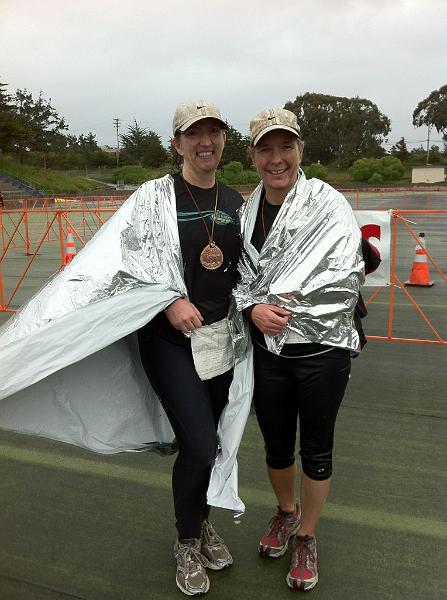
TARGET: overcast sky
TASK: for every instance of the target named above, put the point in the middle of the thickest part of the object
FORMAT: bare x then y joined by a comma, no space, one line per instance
137,59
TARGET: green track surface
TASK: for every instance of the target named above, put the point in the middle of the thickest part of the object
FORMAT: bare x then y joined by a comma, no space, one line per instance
81,525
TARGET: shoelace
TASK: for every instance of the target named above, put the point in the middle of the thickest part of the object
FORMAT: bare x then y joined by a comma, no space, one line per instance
191,557
304,555
211,536
277,523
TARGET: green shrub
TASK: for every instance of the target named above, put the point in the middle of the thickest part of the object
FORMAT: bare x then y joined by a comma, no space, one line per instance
234,174
375,178
389,168
364,168
132,174
316,170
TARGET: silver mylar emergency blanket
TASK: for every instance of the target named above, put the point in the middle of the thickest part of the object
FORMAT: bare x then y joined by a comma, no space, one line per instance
69,363
310,263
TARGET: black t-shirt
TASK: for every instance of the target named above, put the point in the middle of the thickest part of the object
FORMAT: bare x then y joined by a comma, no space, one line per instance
208,290
264,220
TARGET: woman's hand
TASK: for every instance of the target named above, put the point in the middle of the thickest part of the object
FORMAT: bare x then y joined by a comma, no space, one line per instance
269,318
183,315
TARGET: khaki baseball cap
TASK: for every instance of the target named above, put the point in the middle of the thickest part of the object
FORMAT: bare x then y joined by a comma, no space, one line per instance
270,119
189,113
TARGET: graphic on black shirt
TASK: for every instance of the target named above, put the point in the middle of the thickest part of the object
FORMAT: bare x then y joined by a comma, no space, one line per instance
221,218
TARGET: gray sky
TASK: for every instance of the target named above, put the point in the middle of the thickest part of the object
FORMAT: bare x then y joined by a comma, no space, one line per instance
101,59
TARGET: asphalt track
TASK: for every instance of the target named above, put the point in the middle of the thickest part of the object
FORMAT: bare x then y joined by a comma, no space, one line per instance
80,525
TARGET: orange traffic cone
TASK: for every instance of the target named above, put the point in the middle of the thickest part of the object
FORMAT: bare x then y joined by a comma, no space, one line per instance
420,275
70,248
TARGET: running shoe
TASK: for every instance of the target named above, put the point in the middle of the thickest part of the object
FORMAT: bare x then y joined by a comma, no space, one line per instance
191,576
214,548
281,528
303,573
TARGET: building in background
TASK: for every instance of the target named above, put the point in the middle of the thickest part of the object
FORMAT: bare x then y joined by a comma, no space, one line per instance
428,174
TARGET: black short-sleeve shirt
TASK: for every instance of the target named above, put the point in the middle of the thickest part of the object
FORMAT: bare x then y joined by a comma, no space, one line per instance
208,290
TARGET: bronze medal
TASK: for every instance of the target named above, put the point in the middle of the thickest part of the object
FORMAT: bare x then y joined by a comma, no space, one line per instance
211,257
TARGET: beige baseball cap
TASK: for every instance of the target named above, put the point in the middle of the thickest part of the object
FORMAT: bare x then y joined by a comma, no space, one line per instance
189,113
270,119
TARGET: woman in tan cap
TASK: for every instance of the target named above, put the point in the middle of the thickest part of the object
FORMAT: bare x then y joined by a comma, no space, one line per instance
301,269
192,376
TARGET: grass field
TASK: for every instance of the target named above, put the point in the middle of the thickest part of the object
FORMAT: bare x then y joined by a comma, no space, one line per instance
82,180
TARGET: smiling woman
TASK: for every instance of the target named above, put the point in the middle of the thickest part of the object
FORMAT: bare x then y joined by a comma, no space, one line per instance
201,147
277,158
301,269
186,349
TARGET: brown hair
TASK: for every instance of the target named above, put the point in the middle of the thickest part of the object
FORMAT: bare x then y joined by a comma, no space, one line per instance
177,158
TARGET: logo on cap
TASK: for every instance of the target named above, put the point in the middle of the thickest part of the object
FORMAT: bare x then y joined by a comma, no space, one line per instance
270,119
189,113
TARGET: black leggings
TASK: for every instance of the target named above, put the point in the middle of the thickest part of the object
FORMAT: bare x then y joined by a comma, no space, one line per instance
193,408
310,388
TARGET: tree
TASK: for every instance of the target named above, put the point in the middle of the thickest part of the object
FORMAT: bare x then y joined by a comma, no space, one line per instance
9,129
40,126
339,128
417,156
236,148
435,155
432,111
400,150
142,146
92,155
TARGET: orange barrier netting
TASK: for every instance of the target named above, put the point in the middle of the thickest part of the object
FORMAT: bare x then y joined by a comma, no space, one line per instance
84,223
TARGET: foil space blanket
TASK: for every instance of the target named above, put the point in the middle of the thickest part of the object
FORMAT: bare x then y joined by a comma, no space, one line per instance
69,362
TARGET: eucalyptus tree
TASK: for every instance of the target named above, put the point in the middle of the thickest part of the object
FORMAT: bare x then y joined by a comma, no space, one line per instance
337,128
432,111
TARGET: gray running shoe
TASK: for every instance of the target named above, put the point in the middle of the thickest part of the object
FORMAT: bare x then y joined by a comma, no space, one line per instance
303,573
280,529
191,576
214,548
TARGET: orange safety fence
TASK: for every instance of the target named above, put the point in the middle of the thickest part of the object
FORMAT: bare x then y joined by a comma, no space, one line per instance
41,234
399,218
29,233
39,250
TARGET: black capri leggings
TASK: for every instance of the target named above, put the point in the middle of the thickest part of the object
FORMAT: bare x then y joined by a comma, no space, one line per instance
310,389
193,408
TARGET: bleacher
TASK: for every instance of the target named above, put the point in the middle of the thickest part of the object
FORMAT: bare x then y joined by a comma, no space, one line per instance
15,188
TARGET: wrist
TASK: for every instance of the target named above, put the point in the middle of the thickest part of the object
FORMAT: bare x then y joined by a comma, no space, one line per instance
247,312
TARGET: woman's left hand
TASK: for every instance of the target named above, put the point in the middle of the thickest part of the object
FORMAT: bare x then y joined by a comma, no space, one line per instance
269,318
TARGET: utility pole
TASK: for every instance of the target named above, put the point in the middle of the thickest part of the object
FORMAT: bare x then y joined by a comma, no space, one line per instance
117,122
428,144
